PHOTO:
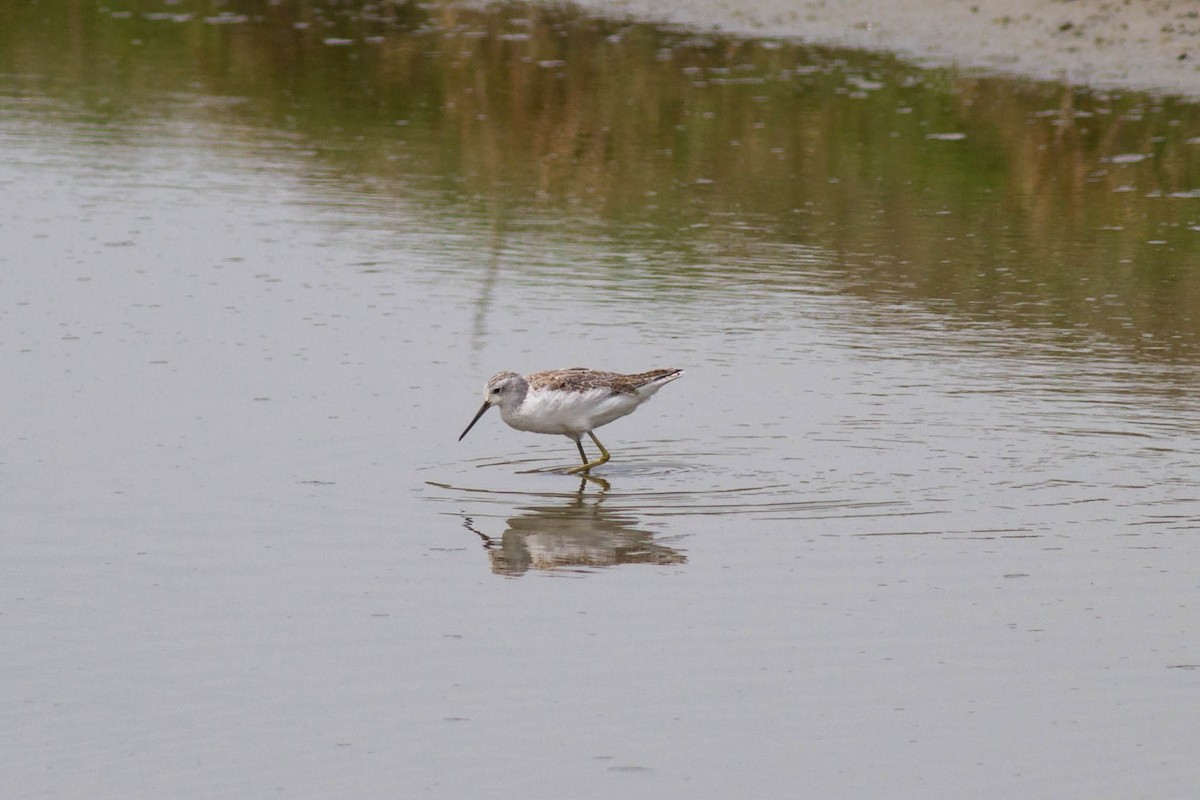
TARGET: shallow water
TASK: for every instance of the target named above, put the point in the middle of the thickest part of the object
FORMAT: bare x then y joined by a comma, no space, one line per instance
921,518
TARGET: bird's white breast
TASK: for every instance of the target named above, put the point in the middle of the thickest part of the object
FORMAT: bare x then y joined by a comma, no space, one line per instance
569,413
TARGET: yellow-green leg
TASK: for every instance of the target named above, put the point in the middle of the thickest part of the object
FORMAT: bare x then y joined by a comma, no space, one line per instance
604,456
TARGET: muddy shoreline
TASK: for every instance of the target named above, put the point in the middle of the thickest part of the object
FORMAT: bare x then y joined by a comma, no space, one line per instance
1145,45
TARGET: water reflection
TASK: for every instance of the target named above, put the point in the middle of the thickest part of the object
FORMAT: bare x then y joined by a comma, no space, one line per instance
989,201
577,534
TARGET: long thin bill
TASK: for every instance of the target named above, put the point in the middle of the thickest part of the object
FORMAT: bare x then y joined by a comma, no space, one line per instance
486,406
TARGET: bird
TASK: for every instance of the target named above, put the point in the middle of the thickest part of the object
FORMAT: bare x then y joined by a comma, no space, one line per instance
570,402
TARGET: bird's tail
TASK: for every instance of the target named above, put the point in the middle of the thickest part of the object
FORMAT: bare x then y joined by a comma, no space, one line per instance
650,382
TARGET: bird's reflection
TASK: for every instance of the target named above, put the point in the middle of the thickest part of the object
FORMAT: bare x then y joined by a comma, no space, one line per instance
577,534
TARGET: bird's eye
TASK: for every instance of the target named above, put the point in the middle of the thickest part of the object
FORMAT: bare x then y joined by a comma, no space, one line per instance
496,390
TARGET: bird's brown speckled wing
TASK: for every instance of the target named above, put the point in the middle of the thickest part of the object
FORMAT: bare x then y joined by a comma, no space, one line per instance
580,379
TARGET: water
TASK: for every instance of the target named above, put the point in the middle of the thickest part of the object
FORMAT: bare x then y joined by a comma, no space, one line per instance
921,518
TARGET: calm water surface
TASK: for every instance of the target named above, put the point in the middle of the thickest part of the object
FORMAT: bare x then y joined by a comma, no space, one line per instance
922,518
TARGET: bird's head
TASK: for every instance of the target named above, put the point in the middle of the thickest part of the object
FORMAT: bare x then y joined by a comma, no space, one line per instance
503,389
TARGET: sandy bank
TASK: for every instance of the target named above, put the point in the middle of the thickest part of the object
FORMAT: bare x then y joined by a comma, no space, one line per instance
1132,44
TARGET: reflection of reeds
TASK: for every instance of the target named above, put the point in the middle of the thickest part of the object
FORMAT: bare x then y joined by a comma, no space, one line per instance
688,141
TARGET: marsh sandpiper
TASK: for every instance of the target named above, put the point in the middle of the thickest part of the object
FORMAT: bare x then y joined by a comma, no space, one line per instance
570,402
